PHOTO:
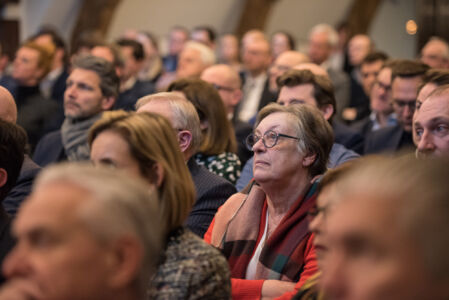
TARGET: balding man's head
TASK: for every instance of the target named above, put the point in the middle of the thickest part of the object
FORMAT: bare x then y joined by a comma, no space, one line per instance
226,81
284,62
8,108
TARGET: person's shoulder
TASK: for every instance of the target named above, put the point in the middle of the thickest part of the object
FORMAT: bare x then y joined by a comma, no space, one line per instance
48,148
383,139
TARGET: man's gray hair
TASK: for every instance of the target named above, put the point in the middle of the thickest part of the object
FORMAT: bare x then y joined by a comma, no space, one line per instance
109,81
120,206
417,193
206,53
184,113
332,34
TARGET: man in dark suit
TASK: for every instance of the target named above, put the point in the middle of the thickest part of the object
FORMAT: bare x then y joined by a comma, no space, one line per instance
211,190
256,89
29,170
13,140
406,78
227,82
92,88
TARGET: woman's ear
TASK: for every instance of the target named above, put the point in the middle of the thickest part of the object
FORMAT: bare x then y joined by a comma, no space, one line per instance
159,171
308,160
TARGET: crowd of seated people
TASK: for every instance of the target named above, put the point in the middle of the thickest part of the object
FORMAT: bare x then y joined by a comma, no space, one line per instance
227,169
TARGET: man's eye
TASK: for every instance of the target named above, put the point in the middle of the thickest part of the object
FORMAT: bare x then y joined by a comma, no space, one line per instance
441,129
418,132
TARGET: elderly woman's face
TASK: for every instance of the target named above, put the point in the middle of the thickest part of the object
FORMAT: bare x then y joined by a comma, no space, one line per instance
282,160
110,149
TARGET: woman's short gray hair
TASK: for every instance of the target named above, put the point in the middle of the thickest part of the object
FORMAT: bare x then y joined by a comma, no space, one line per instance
122,206
314,132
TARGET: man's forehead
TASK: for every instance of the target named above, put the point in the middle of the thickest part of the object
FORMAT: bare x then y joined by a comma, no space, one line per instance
54,203
85,74
436,106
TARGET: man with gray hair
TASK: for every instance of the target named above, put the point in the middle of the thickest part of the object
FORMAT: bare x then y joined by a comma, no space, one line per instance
435,53
211,190
323,40
92,88
84,233
194,59
388,232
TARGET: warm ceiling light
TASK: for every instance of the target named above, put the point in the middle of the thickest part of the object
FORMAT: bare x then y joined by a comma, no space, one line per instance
411,27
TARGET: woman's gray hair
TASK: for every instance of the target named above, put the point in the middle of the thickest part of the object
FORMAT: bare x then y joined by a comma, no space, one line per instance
314,132
121,206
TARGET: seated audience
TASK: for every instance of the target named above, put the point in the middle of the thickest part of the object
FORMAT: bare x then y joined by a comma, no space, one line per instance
406,78
435,53
22,188
381,104
92,88
35,113
264,234
431,125
84,233
211,189
227,83
388,232
217,151
145,145
13,141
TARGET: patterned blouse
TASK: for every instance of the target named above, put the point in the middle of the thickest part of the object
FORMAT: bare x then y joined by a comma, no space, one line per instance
191,269
226,165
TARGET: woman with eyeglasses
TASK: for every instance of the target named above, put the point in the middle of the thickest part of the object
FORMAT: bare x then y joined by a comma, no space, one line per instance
264,233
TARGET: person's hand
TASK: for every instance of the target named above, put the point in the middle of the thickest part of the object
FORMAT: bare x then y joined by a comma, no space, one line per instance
275,288
20,289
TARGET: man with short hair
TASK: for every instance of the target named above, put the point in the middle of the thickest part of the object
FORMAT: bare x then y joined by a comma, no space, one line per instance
305,88
435,53
84,233
131,88
382,114
431,124
388,232
227,82
178,36
35,113
29,169
369,68
211,190
204,34
406,78
13,142
256,58
194,59
323,40
92,88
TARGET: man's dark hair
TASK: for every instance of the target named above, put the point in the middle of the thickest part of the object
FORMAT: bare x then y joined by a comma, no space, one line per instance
290,39
56,39
210,32
323,90
438,77
138,52
406,68
13,141
375,56
109,81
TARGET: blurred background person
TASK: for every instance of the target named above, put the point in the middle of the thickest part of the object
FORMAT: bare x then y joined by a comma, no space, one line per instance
282,41
435,53
228,51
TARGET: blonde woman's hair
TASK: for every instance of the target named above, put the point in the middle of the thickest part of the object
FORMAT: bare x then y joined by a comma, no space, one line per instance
151,139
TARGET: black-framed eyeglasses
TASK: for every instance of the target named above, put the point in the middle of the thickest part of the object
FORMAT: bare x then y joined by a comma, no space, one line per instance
269,139
223,88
